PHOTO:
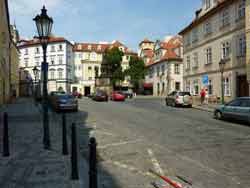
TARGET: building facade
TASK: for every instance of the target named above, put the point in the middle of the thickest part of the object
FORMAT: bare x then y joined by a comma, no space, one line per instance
59,58
164,65
217,33
88,58
5,53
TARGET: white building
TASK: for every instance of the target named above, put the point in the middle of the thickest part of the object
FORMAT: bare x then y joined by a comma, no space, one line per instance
164,66
59,58
88,58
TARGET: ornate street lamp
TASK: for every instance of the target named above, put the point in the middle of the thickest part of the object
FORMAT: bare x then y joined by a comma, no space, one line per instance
44,25
222,64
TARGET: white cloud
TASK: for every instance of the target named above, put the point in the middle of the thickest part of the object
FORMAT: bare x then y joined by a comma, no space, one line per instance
28,7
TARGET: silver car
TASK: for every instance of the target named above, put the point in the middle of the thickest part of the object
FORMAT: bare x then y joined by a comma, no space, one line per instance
238,109
179,98
65,102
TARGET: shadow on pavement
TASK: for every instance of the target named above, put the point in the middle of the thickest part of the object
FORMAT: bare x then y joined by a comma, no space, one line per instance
85,128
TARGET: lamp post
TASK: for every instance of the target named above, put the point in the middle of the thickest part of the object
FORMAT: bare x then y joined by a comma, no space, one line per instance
222,67
44,25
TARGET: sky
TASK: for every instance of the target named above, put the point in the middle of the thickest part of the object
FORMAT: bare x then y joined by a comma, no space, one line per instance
129,21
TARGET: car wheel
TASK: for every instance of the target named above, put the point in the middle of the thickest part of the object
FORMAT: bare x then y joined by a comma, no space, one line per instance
190,106
218,115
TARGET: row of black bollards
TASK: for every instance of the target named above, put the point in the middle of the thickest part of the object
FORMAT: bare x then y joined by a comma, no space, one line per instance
74,154
6,150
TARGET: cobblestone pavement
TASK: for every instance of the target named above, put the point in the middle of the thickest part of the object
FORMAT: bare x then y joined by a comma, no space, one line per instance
29,165
143,134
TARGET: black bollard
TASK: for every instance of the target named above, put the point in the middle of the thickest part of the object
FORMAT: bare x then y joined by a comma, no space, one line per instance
64,136
6,151
92,163
74,163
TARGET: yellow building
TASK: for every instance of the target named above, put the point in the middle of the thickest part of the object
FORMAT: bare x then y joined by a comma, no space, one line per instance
14,78
247,18
5,44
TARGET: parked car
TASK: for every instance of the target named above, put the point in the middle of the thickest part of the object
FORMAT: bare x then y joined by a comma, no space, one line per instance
64,102
127,93
77,94
179,98
238,109
100,96
117,96
52,96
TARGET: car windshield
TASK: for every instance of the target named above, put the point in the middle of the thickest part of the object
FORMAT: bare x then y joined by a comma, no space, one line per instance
65,97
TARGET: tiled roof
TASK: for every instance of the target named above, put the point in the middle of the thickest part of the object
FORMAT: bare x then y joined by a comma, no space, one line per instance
169,47
100,47
146,41
35,41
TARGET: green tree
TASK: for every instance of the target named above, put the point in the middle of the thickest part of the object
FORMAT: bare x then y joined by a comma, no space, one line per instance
113,58
136,71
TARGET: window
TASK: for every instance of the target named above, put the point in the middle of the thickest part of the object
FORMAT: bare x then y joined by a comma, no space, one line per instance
60,48
227,87
225,50
52,60
210,87
225,18
127,57
245,103
26,60
188,63
89,68
207,28
158,88
60,59
208,56
176,68
188,88
188,40
196,87
151,71
37,61
37,50
52,48
158,71
242,46
195,35
26,52
235,103
80,56
241,9
90,78
93,56
196,63
207,4
163,87
79,67
60,73
177,86
163,69
52,74
96,71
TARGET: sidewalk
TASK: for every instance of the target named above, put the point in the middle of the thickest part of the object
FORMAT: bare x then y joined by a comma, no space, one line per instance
29,165
205,107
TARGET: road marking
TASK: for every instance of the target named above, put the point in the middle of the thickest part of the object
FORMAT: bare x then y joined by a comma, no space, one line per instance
130,168
119,144
156,164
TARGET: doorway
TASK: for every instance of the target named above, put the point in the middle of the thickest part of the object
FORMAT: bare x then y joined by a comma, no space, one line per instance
242,86
87,90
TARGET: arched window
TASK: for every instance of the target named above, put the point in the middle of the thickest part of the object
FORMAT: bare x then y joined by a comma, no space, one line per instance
60,73
52,73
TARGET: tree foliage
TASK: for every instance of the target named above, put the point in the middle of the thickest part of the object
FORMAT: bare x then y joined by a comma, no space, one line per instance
113,57
136,71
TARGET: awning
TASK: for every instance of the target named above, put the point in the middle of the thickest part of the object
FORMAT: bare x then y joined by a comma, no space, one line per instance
148,85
